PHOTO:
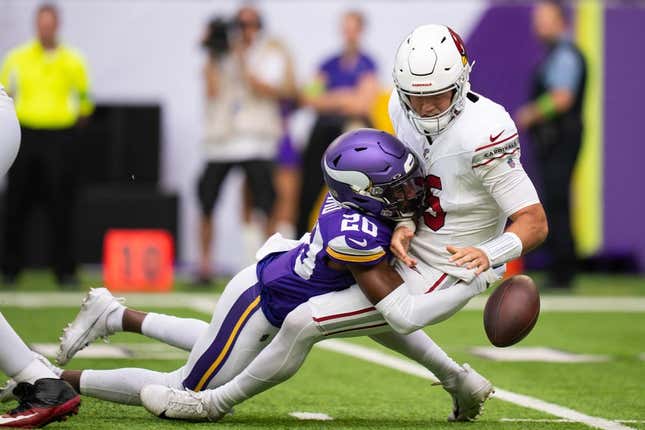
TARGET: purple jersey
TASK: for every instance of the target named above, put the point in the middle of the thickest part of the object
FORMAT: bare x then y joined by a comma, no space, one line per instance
340,74
342,235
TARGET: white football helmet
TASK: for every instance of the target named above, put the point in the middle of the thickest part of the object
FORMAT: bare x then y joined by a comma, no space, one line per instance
430,61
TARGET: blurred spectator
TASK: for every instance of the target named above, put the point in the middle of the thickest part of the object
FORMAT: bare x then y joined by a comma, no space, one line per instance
246,74
49,83
287,179
554,120
342,94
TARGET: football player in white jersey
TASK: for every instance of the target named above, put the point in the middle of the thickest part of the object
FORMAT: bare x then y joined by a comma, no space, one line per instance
471,153
43,397
472,156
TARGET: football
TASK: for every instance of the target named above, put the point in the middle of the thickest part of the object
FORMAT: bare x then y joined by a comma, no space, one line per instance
511,311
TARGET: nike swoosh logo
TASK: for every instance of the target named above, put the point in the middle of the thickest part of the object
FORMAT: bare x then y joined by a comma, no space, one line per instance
493,139
6,420
363,243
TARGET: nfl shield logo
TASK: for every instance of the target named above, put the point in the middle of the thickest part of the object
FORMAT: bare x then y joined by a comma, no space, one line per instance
511,163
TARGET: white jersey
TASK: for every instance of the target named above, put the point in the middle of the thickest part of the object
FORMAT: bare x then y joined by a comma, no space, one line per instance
475,178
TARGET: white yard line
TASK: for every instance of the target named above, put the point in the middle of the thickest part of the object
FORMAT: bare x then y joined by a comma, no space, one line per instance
206,302
579,303
410,368
535,353
556,420
311,416
200,302
535,420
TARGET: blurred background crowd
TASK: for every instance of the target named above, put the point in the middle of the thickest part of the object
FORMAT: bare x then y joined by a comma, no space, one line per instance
208,120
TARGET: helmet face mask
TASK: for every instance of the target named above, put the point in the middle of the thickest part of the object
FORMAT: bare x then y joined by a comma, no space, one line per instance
374,172
431,61
404,199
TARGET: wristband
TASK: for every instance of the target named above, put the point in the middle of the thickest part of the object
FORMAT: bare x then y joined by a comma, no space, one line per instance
407,223
502,249
545,106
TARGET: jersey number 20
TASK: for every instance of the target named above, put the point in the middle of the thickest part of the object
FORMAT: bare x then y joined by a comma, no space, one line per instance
351,222
436,221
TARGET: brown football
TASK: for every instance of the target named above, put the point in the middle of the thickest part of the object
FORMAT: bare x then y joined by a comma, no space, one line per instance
511,311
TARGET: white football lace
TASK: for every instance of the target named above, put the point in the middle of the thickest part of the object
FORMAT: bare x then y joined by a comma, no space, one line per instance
179,402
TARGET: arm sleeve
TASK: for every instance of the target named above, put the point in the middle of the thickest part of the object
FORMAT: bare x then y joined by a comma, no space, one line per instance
406,312
564,71
501,173
82,82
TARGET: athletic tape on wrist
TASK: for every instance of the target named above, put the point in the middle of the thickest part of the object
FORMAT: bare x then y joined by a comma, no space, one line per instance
407,223
502,249
546,106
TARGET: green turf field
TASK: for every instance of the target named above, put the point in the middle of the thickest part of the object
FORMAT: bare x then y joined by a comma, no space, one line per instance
362,395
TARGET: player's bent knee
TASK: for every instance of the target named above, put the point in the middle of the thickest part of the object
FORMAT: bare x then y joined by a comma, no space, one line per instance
299,324
400,324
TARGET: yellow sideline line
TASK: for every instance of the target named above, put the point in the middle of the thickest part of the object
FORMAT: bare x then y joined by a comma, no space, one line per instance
587,184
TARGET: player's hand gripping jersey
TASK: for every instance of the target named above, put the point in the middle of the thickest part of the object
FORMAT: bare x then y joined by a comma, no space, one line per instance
474,176
341,235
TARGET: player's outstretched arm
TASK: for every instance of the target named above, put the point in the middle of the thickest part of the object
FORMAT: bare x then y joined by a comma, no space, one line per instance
406,312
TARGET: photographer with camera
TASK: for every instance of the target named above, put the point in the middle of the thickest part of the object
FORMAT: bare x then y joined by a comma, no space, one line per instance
246,74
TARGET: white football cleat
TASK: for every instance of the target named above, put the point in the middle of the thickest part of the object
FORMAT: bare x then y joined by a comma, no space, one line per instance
6,391
469,391
90,323
166,402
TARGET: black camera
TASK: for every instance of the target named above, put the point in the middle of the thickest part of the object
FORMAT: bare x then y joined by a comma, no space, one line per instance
217,37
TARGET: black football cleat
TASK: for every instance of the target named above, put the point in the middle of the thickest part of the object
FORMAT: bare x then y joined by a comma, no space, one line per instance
41,403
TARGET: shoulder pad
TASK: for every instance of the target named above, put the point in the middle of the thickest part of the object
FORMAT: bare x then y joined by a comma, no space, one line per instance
350,250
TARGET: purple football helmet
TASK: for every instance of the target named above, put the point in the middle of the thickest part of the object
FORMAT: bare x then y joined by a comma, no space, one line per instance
375,172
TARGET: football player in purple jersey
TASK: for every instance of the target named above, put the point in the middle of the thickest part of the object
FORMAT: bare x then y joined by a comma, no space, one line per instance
373,180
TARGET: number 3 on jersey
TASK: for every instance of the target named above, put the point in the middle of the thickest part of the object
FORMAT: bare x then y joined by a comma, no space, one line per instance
351,222
436,221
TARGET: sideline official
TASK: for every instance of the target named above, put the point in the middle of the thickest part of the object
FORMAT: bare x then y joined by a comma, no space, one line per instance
554,120
49,83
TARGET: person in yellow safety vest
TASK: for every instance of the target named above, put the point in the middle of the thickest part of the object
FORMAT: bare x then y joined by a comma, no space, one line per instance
50,87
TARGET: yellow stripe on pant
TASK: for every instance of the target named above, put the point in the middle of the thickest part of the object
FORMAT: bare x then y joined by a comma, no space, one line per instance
229,342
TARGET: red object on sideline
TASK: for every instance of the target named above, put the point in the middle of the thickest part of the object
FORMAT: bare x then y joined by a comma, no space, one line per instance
138,260
514,267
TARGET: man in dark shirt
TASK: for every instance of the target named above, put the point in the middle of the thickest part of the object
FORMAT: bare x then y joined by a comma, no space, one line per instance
554,120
